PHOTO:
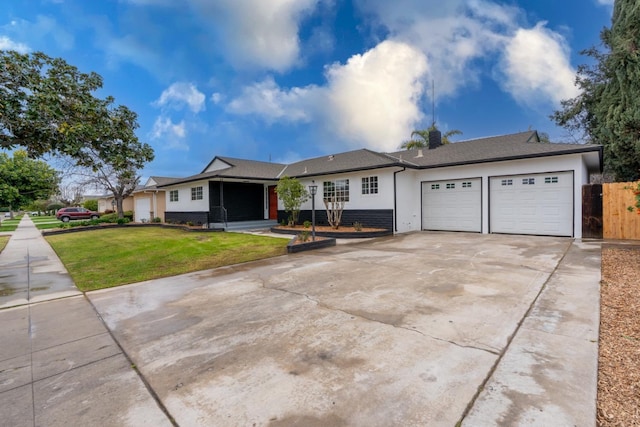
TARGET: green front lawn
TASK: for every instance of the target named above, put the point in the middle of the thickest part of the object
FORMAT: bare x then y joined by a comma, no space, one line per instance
104,258
3,242
10,224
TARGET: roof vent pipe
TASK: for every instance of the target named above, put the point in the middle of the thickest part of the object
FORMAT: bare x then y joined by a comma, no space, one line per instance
435,139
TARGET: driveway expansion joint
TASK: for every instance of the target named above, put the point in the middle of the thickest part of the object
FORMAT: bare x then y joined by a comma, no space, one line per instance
517,329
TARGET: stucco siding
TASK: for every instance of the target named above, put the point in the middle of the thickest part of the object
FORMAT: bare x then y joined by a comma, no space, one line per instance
357,201
184,203
408,209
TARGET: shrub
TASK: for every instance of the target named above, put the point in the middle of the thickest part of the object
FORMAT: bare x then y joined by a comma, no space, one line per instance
54,207
357,226
157,219
304,236
307,224
121,221
92,205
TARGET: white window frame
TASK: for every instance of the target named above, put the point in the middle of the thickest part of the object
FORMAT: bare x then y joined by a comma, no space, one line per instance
173,193
338,188
196,193
370,185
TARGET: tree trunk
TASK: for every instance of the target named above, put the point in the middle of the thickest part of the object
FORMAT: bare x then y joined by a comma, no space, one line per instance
334,211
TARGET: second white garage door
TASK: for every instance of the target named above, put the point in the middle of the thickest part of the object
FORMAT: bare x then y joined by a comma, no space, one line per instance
540,204
454,205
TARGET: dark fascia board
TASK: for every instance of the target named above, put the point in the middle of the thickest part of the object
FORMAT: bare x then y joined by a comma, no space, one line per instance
521,157
216,178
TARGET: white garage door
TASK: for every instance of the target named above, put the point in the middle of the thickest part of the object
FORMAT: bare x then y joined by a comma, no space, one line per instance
143,210
454,205
539,204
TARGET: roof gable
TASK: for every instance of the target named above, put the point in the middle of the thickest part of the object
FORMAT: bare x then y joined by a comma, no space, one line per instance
216,164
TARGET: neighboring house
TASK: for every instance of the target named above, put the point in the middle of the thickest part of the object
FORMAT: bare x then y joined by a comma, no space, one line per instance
107,203
504,184
149,201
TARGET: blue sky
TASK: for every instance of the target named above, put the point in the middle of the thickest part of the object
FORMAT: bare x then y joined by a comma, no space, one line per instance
284,80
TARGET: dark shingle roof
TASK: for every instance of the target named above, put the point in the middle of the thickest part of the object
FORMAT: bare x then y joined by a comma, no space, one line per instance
162,180
239,168
342,162
497,148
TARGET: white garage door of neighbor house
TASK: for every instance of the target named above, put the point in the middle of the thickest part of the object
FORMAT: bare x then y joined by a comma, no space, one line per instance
143,210
454,205
540,204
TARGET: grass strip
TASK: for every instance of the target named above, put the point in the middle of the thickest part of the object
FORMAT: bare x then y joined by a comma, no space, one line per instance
105,258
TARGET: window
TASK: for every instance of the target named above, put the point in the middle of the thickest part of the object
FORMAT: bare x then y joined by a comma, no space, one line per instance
435,186
196,193
451,185
550,179
370,185
338,189
528,181
507,182
173,195
466,185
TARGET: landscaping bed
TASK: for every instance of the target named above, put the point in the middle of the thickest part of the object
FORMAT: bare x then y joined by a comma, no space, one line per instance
342,232
299,244
619,344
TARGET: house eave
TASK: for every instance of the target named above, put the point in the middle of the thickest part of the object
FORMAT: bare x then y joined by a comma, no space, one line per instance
517,157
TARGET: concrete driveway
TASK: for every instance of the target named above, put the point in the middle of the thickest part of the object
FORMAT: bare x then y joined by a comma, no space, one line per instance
419,329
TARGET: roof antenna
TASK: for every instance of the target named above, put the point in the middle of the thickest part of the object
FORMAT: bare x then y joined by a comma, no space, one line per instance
433,102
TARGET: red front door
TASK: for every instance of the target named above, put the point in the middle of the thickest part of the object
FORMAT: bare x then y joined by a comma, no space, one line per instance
273,203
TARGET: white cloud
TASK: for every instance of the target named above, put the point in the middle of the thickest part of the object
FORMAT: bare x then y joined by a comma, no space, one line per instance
172,134
42,29
606,2
182,94
257,32
371,100
7,44
216,97
536,67
267,100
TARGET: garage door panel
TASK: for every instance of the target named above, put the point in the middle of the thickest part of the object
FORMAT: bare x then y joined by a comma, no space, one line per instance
532,204
142,210
452,205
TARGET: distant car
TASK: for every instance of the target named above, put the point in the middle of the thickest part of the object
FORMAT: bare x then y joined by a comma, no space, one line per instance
34,213
67,214
7,214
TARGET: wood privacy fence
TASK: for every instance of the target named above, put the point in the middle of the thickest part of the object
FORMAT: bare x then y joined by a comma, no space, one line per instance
617,221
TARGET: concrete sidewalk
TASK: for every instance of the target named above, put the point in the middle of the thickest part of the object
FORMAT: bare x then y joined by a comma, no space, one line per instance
59,365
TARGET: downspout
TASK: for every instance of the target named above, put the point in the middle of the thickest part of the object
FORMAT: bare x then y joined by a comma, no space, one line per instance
395,199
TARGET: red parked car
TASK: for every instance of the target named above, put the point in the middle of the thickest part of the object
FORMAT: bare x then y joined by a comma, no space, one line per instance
67,214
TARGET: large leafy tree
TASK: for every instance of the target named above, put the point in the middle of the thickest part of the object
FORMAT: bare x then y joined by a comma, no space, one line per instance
607,111
24,180
48,106
420,138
